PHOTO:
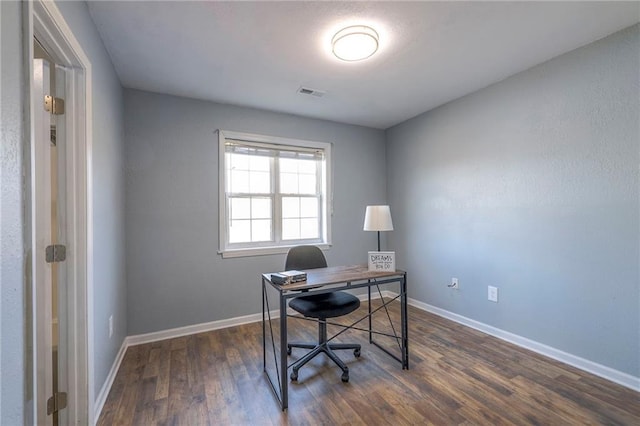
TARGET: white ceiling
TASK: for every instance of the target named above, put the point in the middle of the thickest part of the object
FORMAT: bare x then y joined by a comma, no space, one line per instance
258,54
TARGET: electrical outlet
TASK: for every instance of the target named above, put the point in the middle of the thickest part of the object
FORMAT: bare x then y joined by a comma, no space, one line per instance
493,294
454,283
110,326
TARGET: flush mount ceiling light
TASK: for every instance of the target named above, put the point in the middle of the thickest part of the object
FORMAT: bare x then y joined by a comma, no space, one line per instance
355,43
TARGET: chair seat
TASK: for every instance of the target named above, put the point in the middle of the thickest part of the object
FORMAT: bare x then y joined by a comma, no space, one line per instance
328,305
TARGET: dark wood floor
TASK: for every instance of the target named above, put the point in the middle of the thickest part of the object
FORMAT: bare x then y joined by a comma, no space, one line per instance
457,375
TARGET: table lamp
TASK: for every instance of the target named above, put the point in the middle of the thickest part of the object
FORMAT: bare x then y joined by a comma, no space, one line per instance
378,218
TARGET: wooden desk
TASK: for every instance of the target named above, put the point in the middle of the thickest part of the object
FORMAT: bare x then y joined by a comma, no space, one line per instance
326,280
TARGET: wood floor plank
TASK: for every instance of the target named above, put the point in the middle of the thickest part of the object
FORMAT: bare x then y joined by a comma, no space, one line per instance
599,388
458,376
539,398
164,371
145,408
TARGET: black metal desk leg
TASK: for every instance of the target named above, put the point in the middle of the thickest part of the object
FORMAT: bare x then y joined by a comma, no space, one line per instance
283,352
369,299
405,323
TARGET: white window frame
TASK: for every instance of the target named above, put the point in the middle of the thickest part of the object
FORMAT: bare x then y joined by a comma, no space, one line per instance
258,249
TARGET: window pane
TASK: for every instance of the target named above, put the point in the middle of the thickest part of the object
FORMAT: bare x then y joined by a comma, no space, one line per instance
261,230
290,207
307,184
309,207
240,208
309,228
227,172
288,165
261,208
260,163
307,166
239,162
260,182
288,183
290,229
240,231
239,181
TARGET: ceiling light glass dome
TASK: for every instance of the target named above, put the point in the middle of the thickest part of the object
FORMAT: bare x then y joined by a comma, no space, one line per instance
355,43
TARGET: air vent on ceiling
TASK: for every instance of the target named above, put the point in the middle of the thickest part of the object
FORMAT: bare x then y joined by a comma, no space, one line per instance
313,92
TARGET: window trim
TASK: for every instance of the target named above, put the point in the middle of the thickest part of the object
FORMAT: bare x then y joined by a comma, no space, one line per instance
223,135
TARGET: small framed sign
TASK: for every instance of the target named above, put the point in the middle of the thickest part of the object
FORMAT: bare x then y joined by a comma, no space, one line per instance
382,261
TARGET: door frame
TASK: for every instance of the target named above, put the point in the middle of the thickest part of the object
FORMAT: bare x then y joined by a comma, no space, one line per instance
45,22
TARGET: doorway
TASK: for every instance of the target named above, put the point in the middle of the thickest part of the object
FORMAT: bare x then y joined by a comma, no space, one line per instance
60,216
50,168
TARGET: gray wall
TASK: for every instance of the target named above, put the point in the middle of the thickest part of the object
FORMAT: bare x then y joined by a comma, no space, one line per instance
12,298
107,168
174,275
531,185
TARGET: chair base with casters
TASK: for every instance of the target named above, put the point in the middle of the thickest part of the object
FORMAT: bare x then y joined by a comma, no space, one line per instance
322,307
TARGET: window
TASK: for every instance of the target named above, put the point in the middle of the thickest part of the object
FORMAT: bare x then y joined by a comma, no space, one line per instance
274,193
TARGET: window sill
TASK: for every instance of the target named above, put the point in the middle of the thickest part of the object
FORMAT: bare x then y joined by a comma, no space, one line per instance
264,251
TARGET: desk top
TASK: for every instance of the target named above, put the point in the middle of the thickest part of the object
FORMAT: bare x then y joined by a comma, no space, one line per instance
334,275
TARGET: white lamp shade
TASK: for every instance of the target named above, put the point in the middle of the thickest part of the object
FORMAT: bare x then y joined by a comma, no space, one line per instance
378,218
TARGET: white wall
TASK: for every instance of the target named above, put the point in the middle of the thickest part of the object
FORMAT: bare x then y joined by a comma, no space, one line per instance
174,275
532,185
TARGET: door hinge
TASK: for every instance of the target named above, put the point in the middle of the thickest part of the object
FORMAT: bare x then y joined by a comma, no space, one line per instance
54,105
56,403
55,253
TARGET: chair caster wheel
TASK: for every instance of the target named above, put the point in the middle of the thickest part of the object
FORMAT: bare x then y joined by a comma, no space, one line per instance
345,377
288,350
356,353
294,376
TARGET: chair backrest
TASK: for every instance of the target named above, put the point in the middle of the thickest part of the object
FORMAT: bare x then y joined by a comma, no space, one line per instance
305,257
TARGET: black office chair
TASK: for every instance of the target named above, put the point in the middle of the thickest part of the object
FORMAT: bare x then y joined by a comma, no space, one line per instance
320,306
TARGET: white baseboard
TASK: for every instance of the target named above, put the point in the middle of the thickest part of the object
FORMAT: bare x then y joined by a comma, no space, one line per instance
603,371
608,373
140,339
106,387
